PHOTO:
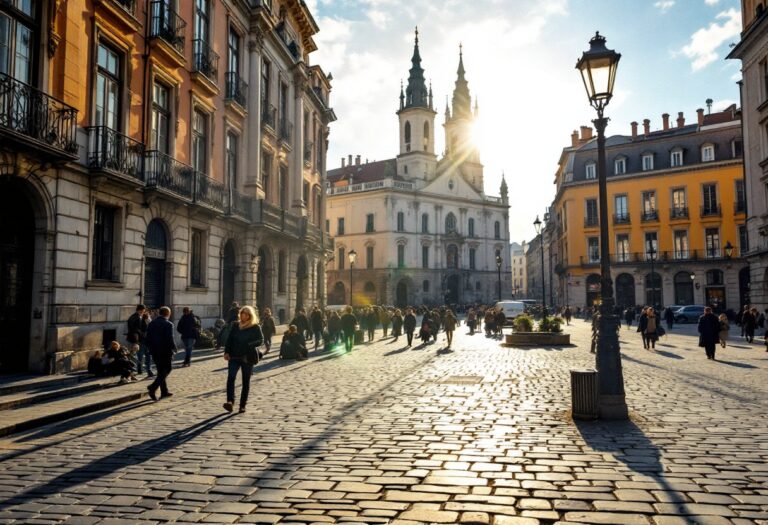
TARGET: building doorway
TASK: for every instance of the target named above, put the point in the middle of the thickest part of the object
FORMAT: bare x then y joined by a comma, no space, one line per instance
653,291
683,288
593,289
155,255
17,252
452,285
625,291
369,292
714,293
401,294
228,273
339,294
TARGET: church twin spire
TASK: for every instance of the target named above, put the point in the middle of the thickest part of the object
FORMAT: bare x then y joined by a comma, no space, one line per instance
416,94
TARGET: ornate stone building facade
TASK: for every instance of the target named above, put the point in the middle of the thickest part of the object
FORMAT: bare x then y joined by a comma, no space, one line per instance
423,229
155,152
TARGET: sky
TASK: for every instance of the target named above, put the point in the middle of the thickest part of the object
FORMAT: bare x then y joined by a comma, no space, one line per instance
520,58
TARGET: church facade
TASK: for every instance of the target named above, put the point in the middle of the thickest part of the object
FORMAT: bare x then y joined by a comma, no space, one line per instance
418,229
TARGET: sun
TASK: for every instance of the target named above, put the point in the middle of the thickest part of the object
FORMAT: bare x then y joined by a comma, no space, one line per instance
477,133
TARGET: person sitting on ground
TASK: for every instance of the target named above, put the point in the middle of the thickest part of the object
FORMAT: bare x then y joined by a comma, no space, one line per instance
116,361
294,346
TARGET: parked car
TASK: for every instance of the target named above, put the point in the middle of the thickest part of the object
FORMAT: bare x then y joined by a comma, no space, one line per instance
689,314
511,309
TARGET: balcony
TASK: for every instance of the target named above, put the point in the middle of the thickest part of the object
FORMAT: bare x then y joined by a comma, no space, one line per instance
205,65
240,205
589,261
114,153
621,218
168,27
122,12
269,117
679,212
276,218
649,216
591,221
711,210
308,153
36,121
286,132
236,89
739,206
209,192
163,172
128,5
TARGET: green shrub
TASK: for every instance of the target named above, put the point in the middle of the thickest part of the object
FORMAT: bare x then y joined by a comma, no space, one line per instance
523,323
550,324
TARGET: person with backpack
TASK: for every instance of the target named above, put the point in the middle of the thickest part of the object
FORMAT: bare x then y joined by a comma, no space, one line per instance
409,325
137,333
189,328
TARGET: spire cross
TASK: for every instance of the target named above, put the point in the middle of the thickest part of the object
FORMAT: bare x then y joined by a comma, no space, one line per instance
417,35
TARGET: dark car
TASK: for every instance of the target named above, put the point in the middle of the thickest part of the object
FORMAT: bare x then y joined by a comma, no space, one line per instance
689,314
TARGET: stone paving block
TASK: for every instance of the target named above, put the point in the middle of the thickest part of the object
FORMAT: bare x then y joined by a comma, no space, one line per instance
430,516
474,518
400,495
693,509
606,518
514,520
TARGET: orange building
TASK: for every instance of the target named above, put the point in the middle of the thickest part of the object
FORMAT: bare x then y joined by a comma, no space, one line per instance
166,153
677,212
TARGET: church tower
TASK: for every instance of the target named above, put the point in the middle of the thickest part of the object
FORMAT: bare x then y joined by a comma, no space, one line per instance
417,124
460,151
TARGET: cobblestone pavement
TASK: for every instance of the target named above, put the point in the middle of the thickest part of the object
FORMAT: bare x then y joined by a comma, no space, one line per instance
479,434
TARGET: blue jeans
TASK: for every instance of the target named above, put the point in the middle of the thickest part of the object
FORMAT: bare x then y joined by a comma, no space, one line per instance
235,365
189,344
318,338
143,355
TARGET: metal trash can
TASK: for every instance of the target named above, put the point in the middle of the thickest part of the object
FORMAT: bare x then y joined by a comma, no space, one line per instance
584,396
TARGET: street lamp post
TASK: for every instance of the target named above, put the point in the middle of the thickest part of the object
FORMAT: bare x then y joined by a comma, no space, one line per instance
352,256
537,225
652,255
693,288
728,250
498,269
598,72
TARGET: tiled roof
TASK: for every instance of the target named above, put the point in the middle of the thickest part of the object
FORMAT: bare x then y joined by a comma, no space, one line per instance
368,172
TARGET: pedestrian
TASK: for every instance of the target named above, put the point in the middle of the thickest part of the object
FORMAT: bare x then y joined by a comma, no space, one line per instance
334,327
267,329
629,316
397,324
409,325
425,334
490,322
348,327
162,346
302,323
137,334
724,327
709,328
669,317
232,318
471,320
317,322
373,320
567,314
385,319
242,353
501,320
450,326
749,323
116,361
652,328
642,324
189,328
740,317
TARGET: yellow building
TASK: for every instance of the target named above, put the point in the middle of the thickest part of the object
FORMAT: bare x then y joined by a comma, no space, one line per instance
676,211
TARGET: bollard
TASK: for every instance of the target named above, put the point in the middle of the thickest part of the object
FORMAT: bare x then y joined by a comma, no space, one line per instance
584,397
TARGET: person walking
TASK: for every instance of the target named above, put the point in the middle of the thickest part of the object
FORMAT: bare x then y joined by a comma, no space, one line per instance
471,320
409,325
137,334
629,316
267,329
242,353
385,319
317,322
450,326
567,314
397,324
669,317
189,328
642,324
302,323
373,320
162,347
724,327
348,325
652,328
709,329
334,327
749,323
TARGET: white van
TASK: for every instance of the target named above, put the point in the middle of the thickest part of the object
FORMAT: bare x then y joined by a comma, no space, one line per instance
511,309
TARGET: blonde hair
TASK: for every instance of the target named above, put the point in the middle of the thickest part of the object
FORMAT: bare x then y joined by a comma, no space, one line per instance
254,317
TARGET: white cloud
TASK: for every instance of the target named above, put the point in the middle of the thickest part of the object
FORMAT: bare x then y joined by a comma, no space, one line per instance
711,2
702,49
664,5
720,105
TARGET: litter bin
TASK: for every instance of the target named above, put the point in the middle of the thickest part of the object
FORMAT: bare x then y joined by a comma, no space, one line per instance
358,337
584,396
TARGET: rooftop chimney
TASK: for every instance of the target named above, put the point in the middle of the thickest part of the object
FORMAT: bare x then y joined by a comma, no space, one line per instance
634,130
647,126
357,160
343,162
665,118
586,133
349,161
680,119
700,116
574,138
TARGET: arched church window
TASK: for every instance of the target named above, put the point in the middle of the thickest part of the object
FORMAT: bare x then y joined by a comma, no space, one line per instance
450,223
497,230
407,134
426,136
452,256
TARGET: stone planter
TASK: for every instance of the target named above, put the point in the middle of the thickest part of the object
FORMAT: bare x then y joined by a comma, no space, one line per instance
537,339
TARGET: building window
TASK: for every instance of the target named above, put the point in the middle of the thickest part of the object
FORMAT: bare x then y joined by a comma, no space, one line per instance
161,115
450,223
497,230
710,205
233,52
714,277
651,242
425,286
199,141
201,20
471,227
741,199
340,259
266,169
103,243
676,158
400,221
591,212
679,203
712,242
196,258
281,270
707,153
452,256
593,249
743,240
108,84
590,170
472,254
265,91
737,148
369,223
424,223
647,162
17,39
282,186
231,159
620,166
340,226
649,206
425,257
680,239
621,208
369,257
622,247
401,256
407,136
305,193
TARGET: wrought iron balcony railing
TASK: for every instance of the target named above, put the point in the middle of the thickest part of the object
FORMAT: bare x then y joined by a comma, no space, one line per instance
167,25
128,5
269,116
591,221
240,205
236,89
678,212
209,191
621,218
32,115
111,151
164,172
649,215
205,60
286,131
711,210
